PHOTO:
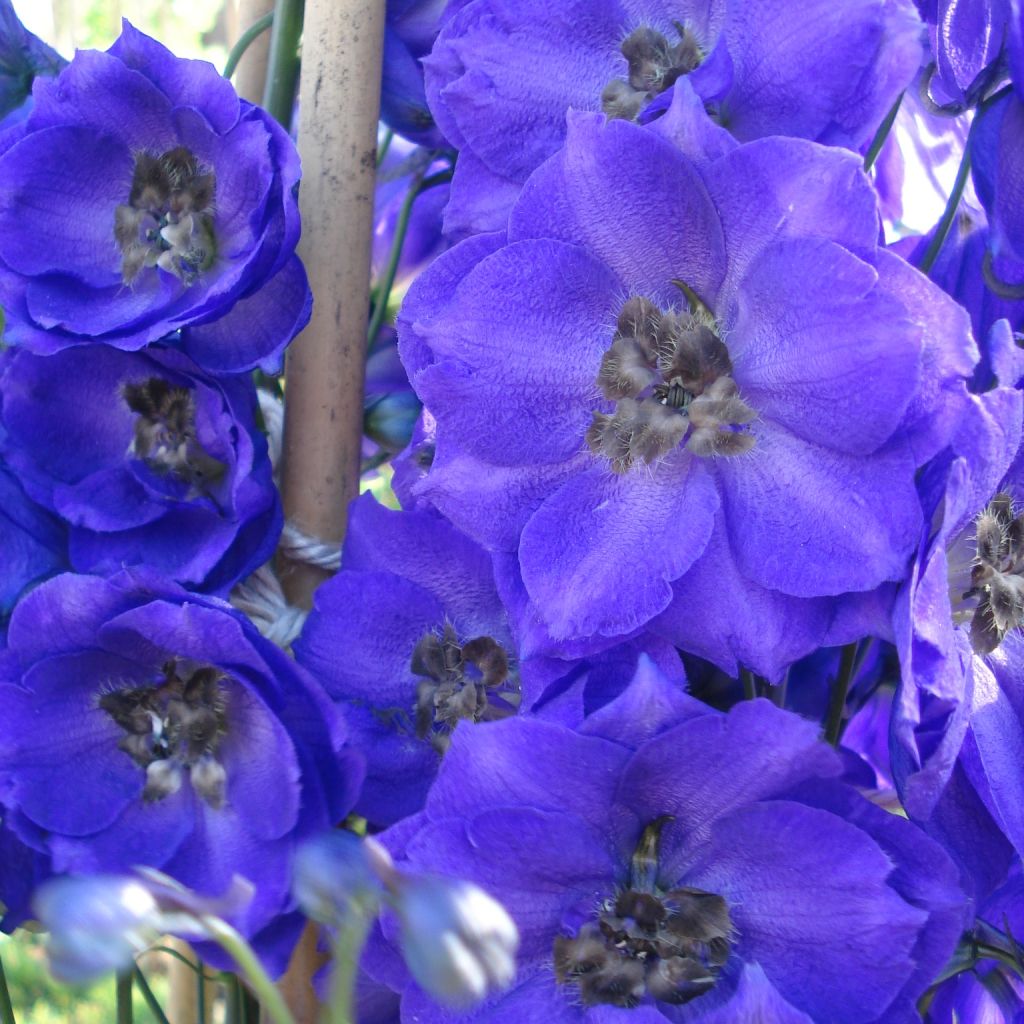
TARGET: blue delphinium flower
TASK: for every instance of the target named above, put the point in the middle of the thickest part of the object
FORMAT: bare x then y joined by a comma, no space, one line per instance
141,196
413,638
146,459
145,725
669,862
690,386
501,71
957,619
23,56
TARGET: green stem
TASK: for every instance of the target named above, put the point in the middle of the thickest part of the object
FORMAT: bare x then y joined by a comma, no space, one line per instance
124,997
232,943
882,134
283,72
837,697
151,1000
387,281
200,992
385,145
245,40
777,693
749,684
347,947
233,1012
931,254
6,1009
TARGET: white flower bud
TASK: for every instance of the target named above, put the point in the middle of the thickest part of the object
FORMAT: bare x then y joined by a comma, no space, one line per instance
458,942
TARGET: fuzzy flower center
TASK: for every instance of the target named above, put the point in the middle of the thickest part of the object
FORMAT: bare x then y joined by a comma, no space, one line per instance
655,63
168,219
461,681
986,577
670,377
175,724
668,944
165,433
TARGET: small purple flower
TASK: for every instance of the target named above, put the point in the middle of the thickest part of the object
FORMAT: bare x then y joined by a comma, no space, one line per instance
414,639
688,386
144,725
148,460
668,862
956,725
500,71
142,197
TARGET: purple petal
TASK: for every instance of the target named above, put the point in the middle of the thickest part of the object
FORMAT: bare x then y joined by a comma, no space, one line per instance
789,874
808,328
812,522
51,220
587,194
598,556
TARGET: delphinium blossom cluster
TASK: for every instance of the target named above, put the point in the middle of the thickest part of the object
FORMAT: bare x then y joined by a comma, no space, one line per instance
673,670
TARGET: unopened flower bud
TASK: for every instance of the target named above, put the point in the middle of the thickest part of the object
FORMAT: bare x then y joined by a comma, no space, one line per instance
97,924
334,875
458,942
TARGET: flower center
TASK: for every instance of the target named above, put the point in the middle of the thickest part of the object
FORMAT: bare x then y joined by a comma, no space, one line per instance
654,65
987,589
669,944
468,680
168,219
173,725
165,433
669,375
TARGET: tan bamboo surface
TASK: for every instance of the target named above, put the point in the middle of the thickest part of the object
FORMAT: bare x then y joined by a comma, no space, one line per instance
339,104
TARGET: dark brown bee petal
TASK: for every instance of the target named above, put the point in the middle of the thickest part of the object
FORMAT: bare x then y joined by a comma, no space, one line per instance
489,657
678,979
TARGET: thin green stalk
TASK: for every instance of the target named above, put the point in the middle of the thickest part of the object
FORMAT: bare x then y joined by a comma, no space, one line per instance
837,696
234,1008
882,134
777,693
749,683
124,998
6,1009
177,956
385,145
345,966
245,40
200,992
949,213
147,994
283,72
931,254
387,281
266,991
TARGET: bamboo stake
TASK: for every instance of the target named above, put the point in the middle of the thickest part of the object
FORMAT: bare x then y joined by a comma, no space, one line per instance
339,104
338,111
251,77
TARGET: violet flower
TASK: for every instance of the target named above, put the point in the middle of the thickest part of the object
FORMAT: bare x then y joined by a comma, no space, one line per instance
142,197
668,862
414,640
498,71
147,459
173,736
645,392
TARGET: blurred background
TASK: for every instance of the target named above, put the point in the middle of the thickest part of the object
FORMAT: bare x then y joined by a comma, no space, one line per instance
191,28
